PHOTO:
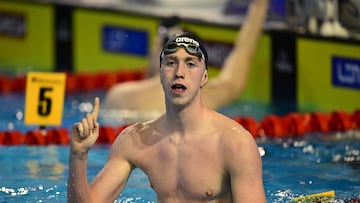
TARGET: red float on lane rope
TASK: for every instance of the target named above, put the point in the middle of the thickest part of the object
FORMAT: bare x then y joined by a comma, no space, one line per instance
5,84
249,124
59,136
12,137
297,124
340,121
36,137
355,119
272,126
106,135
319,122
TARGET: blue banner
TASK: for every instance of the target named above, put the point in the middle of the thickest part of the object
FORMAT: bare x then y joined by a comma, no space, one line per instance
124,40
346,72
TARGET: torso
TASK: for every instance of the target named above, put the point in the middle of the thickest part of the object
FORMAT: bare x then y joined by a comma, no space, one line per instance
181,168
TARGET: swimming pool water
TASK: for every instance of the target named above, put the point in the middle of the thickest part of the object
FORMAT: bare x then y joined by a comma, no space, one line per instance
291,166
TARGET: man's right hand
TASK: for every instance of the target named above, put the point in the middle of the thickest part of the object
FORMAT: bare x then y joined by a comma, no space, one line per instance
85,133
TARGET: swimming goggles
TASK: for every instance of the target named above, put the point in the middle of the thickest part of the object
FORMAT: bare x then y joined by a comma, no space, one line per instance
190,48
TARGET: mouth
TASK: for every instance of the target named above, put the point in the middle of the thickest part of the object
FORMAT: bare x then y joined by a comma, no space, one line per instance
178,88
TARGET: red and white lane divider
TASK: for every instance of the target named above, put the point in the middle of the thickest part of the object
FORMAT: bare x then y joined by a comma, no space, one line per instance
292,124
76,82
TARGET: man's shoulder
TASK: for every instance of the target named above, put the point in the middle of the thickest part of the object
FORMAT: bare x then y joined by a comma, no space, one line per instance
223,120
135,129
142,128
129,134
236,139
130,137
229,127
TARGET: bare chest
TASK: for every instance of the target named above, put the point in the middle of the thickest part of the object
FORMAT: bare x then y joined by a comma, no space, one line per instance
191,170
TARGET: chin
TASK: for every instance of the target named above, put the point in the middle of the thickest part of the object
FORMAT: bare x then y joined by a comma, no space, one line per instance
179,102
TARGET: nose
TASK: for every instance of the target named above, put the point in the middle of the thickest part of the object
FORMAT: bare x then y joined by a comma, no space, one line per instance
180,71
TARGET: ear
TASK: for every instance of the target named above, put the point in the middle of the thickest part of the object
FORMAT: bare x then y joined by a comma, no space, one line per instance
205,78
160,74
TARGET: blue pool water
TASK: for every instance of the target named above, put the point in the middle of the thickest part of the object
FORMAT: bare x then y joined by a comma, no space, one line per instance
291,166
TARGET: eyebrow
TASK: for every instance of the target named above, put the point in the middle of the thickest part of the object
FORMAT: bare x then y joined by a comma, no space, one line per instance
187,58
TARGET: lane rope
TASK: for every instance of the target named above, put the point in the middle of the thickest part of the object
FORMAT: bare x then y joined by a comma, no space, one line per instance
292,124
272,126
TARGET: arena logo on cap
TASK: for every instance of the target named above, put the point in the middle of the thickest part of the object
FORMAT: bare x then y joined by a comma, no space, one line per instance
187,40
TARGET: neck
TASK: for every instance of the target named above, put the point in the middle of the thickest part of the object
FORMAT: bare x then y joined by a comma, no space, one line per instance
184,118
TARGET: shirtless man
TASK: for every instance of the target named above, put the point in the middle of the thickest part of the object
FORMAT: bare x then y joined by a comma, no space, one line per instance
146,95
190,153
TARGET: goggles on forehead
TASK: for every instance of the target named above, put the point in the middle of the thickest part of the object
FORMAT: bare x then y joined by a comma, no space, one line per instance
190,48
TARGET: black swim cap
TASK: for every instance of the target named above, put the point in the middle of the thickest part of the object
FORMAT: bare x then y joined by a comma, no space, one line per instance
192,44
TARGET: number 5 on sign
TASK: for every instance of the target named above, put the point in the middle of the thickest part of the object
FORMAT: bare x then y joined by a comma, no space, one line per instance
44,99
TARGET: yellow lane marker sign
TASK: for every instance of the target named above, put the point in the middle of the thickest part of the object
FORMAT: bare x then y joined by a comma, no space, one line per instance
44,98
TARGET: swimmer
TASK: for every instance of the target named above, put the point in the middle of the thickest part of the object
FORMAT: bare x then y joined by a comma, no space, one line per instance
146,95
190,153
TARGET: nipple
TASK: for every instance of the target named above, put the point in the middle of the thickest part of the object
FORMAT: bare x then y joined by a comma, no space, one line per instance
209,193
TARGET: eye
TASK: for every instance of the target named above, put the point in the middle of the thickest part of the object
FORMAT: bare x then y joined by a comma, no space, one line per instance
190,64
170,62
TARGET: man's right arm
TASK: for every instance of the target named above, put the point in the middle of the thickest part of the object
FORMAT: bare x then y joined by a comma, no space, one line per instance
83,136
114,174
78,189
107,184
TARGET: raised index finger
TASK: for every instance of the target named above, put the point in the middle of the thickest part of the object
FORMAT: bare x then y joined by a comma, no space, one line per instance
95,112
